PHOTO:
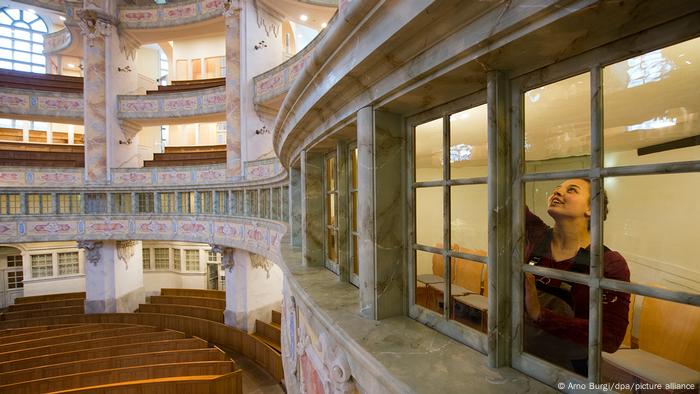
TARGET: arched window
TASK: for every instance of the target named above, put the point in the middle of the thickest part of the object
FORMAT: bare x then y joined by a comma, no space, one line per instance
22,40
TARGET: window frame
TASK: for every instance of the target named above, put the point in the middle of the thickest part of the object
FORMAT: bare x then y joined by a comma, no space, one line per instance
333,266
462,333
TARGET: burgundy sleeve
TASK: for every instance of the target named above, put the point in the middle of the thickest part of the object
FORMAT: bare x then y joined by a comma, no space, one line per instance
534,227
615,312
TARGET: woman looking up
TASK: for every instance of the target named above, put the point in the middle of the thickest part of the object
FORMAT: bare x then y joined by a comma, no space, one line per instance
556,327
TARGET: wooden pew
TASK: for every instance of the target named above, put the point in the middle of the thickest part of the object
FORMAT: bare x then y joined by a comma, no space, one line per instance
105,351
64,310
37,147
669,346
59,338
45,82
27,306
50,297
269,334
200,312
277,317
52,331
218,294
117,375
214,303
124,337
198,148
125,361
230,383
227,338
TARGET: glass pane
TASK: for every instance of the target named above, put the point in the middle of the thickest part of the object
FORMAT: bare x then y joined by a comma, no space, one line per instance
28,16
39,25
555,322
331,209
38,59
330,173
36,37
331,246
37,48
557,124
653,225
22,35
428,151
469,217
22,56
652,108
5,32
5,54
653,341
22,67
556,224
429,216
354,168
5,42
23,46
355,264
5,19
429,275
13,13
468,143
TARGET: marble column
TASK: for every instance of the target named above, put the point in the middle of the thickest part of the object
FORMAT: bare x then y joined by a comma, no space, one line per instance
312,202
96,27
344,236
294,206
113,276
380,172
232,17
253,288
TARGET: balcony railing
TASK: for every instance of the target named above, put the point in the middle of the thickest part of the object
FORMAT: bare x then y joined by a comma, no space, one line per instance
159,16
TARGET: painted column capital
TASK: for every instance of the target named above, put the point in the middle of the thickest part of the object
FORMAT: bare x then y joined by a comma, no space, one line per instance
232,9
94,24
92,249
226,256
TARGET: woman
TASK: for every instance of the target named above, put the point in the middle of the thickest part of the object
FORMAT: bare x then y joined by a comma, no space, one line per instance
557,328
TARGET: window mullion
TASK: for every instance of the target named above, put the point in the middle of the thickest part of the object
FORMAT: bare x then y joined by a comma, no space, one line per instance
446,236
596,223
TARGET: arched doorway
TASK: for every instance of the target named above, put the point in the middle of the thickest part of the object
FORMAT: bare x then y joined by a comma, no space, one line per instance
11,275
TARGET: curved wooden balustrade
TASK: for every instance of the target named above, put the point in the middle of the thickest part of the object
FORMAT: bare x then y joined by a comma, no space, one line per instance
187,85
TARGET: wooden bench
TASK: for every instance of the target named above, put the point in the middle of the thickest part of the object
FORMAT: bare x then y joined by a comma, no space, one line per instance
277,317
37,147
123,337
45,82
214,303
669,346
197,148
218,294
200,312
53,331
268,333
125,361
109,350
64,310
117,375
227,338
27,306
188,85
230,383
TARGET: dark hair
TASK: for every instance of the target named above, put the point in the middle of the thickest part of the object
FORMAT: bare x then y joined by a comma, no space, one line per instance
605,197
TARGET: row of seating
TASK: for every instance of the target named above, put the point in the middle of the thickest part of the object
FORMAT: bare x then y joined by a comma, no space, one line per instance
215,154
187,85
36,81
45,305
57,137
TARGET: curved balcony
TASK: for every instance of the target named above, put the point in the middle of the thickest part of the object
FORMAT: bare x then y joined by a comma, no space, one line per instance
57,41
272,85
199,105
177,14
267,170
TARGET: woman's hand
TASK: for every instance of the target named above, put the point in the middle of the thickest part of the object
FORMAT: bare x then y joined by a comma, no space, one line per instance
532,302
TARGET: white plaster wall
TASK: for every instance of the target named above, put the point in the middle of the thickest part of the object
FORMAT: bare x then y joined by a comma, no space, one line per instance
128,275
69,284
153,281
198,48
147,140
264,292
119,155
148,62
193,280
260,25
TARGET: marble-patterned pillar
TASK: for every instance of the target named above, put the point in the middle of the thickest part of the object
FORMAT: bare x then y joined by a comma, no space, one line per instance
234,132
113,276
294,206
312,208
96,27
344,236
380,171
253,288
